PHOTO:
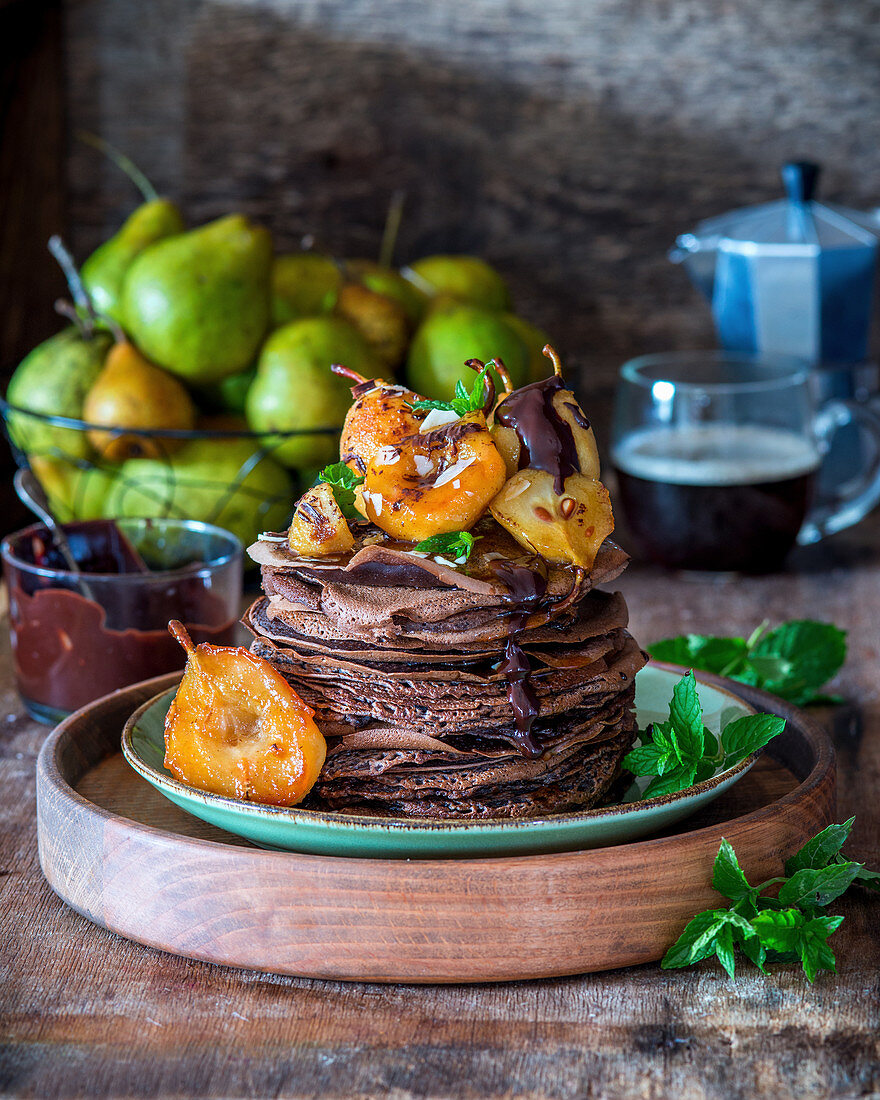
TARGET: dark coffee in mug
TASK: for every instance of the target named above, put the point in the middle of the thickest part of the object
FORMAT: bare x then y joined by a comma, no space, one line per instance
720,497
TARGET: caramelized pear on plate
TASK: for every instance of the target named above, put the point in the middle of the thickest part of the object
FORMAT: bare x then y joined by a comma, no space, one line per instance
237,728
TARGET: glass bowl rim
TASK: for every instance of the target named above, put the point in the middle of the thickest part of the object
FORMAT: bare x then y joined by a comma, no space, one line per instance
196,569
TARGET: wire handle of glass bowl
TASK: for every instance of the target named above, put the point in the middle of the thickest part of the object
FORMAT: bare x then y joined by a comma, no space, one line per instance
861,494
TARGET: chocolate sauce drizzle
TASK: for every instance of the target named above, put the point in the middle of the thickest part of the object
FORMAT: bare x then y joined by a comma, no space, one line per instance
527,588
546,440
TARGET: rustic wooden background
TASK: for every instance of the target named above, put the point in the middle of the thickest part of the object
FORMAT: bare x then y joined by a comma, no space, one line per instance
569,141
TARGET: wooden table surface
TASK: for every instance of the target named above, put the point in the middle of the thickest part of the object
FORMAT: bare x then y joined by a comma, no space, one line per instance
86,1013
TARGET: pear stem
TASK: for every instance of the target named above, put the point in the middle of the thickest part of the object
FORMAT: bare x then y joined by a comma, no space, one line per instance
392,228
180,634
84,309
499,366
550,352
347,372
124,163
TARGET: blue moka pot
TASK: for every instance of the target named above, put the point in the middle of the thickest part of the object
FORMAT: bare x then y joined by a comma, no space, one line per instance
794,277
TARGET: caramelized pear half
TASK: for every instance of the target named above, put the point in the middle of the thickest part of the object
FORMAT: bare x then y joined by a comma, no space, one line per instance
237,728
566,408
437,481
567,527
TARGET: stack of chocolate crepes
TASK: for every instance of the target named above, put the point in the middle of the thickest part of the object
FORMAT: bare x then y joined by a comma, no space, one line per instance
501,688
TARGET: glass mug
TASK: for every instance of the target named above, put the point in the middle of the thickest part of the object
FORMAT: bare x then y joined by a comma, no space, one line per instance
717,457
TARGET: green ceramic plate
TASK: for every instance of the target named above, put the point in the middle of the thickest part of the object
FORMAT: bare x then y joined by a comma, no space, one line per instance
340,834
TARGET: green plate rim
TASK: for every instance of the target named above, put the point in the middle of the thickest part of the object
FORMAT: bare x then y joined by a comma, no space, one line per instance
328,818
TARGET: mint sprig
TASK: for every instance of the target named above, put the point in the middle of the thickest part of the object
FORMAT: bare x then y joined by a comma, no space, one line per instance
343,481
463,402
786,927
793,661
455,544
682,751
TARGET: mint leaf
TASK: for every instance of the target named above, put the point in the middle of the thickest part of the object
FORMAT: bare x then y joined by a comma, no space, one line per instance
793,661
790,932
786,928
814,888
746,735
728,877
870,880
664,738
343,481
711,933
645,760
677,779
686,717
463,402
778,929
813,948
697,941
681,751
455,544
820,851
722,656
809,654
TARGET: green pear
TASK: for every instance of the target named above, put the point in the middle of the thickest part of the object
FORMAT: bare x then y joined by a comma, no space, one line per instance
54,379
213,480
391,284
295,390
75,490
198,303
103,272
450,336
304,284
535,339
465,278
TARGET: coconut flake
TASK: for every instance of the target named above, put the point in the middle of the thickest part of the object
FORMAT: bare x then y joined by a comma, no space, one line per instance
437,418
386,456
270,536
454,470
424,465
444,561
456,484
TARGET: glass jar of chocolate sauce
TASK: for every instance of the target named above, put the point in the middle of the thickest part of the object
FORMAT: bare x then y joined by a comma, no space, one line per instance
76,637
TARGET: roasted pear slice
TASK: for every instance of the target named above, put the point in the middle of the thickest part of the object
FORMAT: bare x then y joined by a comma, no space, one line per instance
318,526
237,728
569,527
437,481
380,416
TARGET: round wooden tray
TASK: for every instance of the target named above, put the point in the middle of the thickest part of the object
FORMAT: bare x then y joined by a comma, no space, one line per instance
126,858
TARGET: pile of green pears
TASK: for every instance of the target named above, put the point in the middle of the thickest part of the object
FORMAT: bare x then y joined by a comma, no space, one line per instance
209,329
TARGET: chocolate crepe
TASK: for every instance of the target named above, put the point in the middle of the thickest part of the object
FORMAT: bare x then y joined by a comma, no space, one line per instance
503,688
